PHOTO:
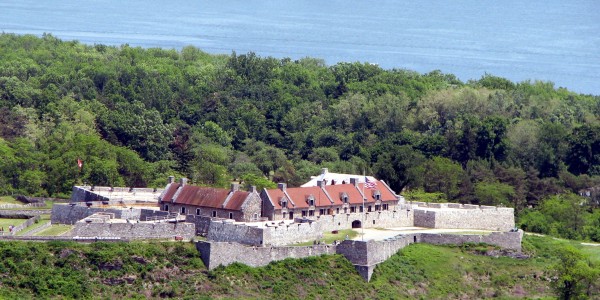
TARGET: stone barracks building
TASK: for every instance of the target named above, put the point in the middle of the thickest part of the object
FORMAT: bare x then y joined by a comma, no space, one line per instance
311,202
185,199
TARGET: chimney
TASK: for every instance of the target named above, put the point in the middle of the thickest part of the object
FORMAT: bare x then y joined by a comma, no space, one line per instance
324,171
183,181
354,181
320,183
282,186
235,187
252,189
171,179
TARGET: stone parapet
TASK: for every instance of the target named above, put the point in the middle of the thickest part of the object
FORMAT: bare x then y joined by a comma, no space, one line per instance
142,230
215,254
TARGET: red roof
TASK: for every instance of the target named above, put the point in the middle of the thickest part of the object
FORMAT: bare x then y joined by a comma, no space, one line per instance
237,200
336,191
204,196
329,195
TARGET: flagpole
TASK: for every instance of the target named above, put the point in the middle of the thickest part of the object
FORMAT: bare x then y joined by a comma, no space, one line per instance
363,207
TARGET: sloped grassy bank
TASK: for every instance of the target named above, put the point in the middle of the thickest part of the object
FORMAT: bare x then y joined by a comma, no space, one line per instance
158,270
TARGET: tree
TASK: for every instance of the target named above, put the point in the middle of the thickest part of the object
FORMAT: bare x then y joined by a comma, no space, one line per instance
494,193
575,274
443,175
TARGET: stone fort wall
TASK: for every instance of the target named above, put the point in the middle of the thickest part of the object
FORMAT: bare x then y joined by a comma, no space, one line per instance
364,255
215,254
142,230
506,240
470,217
70,214
275,235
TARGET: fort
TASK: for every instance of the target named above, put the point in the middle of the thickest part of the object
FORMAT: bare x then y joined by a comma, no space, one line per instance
257,227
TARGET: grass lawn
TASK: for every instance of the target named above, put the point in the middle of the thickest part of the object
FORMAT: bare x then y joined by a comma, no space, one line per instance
329,237
5,223
55,230
43,220
9,200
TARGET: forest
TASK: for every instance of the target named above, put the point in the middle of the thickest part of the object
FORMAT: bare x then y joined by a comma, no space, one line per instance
134,116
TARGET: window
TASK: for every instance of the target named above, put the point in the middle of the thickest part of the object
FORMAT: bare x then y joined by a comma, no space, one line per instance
337,210
166,207
283,204
231,215
285,215
214,214
255,217
369,208
376,207
362,208
311,213
304,213
321,212
311,202
345,210
385,207
377,195
183,210
353,209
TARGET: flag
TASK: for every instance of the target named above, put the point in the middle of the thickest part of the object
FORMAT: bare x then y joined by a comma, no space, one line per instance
370,184
79,163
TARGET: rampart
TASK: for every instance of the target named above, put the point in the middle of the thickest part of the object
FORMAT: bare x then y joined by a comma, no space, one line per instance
506,240
142,230
456,216
202,223
278,234
22,213
364,255
71,213
215,254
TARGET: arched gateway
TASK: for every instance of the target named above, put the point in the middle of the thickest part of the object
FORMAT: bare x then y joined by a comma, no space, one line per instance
356,224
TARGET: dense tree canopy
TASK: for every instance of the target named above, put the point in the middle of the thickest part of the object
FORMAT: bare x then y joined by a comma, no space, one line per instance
135,115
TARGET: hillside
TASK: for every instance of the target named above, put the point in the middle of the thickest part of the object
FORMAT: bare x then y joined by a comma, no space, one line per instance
159,270
134,116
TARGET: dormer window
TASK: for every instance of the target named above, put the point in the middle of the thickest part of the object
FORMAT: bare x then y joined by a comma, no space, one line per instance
377,195
283,202
344,197
310,200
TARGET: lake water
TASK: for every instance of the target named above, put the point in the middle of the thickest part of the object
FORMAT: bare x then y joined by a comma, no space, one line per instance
550,40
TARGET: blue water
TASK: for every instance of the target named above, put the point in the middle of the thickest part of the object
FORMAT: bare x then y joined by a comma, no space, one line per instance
550,40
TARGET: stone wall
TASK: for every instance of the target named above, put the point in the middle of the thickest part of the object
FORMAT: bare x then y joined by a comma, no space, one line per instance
215,254
484,218
378,219
202,223
70,214
22,213
225,231
80,194
142,230
505,240
287,234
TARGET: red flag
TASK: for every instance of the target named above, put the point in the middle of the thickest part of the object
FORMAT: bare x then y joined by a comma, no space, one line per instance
79,163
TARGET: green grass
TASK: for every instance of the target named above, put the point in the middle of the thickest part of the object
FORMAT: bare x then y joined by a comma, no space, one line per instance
44,219
9,200
152,270
329,238
55,230
5,223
